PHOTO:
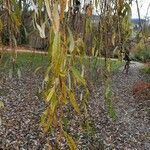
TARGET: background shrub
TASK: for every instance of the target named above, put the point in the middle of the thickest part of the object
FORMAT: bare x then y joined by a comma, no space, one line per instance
142,54
146,68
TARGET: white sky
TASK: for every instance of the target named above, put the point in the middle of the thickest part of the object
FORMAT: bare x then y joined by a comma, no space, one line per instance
143,5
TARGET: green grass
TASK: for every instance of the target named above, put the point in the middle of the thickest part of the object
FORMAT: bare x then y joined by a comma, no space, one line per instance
96,63
31,61
24,61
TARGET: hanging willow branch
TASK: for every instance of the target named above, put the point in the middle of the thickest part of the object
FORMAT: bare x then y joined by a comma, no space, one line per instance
63,77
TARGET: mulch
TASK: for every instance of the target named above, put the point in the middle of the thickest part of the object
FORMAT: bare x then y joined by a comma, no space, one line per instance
20,116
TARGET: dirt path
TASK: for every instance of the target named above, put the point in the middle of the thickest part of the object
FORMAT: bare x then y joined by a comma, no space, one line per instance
131,130
23,50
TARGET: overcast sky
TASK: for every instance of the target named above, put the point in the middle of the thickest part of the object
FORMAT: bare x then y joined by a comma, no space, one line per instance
143,5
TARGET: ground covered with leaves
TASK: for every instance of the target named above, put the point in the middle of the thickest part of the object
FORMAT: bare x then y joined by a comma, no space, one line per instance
19,128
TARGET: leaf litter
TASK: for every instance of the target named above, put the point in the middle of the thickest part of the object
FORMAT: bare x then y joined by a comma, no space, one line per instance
20,116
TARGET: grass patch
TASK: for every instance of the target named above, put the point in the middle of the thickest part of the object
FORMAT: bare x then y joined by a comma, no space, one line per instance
23,62
96,63
31,61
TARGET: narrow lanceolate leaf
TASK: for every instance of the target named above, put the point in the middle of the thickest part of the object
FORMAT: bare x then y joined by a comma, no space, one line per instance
71,143
37,69
51,93
56,19
83,70
1,25
19,73
63,7
56,54
72,43
69,81
74,102
10,73
64,93
41,29
0,121
40,4
54,103
113,38
1,104
47,4
78,76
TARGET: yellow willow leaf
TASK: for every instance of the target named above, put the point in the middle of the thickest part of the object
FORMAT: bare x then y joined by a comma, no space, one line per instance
51,93
69,81
72,43
37,69
54,103
56,47
109,66
41,29
56,55
116,50
63,7
51,38
47,4
93,51
15,19
62,74
1,25
81,46
83,70
47,73
0,121
64,93
19,73
71,143
81,96
78,76
1,104
74,102
56,18
40,4
113,39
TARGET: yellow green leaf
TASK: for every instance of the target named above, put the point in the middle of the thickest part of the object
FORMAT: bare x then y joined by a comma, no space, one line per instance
71,143
54,103
1,25
51,93
56,55
78,76
36,70
56,18
1,104
64,93
19,73
72,43
47,4
74,102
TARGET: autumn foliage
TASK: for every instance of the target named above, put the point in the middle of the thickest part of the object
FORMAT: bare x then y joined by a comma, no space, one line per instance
140,86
